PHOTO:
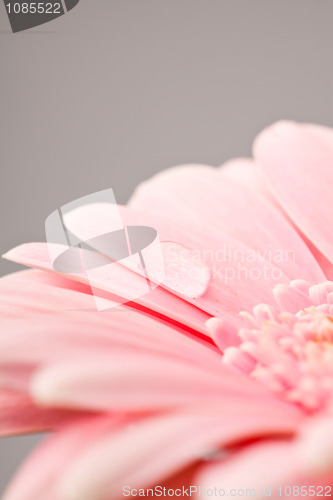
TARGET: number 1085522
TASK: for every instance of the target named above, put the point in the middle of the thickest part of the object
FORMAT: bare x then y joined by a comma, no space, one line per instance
34,8
305,491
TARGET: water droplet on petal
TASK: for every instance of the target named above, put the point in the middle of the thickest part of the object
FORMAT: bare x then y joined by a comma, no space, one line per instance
184,271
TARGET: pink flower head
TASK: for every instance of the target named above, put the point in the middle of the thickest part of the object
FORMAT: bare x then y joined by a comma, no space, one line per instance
221,377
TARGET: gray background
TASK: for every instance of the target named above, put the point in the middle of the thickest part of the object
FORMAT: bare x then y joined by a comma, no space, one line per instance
115,91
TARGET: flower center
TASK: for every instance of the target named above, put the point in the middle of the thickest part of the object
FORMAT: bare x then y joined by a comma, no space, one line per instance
290,353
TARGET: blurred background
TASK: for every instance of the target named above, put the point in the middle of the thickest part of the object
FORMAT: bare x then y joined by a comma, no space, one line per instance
115,91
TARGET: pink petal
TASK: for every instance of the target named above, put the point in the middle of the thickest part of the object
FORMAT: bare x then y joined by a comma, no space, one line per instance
76,334
157,302
245,172
267,464
95,458
291,299
324,263
182,272
316,446
231,208
297,160
232,285
157,447
136,381
38,477
223,333
25,293
18,414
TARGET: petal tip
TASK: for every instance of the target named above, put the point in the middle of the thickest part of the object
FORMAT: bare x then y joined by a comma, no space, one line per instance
281,128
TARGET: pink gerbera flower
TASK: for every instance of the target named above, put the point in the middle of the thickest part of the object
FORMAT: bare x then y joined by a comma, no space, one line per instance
222,377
